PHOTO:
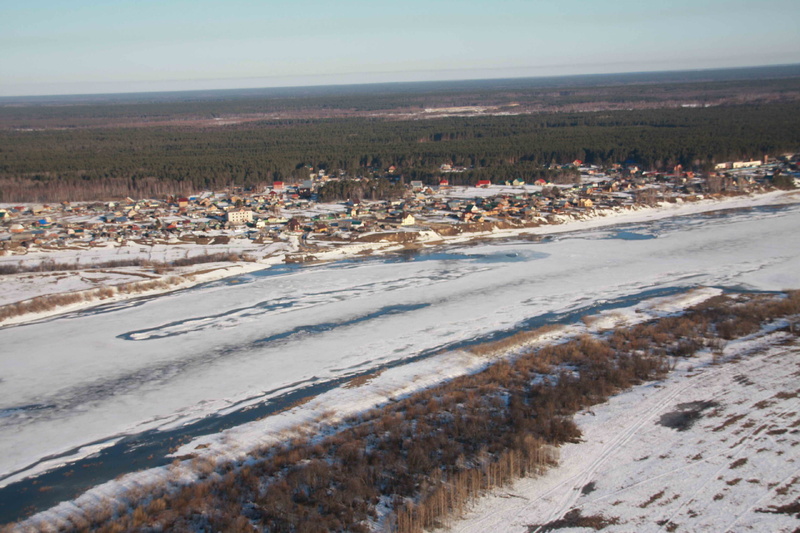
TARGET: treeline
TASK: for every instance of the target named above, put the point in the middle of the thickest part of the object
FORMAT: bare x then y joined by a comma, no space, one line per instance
100,163
422,458
528,171
367,189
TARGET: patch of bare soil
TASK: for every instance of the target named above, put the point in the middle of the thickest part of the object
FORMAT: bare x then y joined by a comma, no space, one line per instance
574,519
790,509
685,415
359,381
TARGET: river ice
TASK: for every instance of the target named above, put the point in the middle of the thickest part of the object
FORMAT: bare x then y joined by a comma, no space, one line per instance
91,377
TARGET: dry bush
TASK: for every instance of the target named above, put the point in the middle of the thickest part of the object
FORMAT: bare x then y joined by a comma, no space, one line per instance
48,265
738,462
104,292
513,341
41,304
737,327
687,347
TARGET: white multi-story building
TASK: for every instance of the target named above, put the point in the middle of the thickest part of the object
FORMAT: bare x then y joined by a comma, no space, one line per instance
238,217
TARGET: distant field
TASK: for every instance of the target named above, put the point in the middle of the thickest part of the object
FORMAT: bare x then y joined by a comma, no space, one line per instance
523,95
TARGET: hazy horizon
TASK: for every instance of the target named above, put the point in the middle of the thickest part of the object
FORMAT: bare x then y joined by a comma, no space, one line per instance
53,48
378,79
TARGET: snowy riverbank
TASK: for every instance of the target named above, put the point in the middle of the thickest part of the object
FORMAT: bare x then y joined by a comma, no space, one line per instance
26,286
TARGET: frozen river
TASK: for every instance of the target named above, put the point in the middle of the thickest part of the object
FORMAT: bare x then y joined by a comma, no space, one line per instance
225,352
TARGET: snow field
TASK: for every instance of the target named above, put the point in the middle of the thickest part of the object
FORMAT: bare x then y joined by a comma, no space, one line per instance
722,473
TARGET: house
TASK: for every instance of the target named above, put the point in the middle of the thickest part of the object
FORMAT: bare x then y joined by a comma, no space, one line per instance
417,185
305,188
348,223
483,183
278,186
294,225
408,220
239,217
444,182
746,164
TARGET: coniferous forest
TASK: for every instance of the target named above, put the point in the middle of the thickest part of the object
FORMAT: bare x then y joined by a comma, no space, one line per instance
175,151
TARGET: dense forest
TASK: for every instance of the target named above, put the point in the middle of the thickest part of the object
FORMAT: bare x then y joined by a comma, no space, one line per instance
95,163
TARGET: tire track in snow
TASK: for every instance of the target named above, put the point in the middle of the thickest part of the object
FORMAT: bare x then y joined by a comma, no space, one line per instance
578,481
573,494
741,445
750,509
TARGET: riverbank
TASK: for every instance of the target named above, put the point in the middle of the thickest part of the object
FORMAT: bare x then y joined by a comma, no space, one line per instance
29,296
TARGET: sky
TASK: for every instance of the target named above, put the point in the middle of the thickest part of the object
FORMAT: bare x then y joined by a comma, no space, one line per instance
91,46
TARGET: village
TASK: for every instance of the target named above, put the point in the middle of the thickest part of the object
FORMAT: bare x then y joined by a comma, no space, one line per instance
283,210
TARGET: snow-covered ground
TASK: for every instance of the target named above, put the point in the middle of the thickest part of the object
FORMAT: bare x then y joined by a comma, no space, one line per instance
470,193
26,285
712,448
83,380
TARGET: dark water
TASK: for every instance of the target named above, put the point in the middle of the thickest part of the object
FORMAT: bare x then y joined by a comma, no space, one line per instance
631,236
